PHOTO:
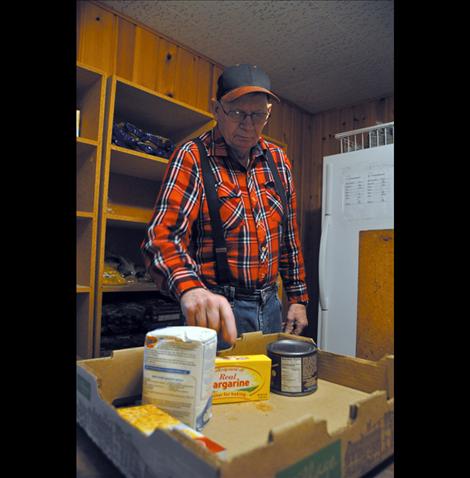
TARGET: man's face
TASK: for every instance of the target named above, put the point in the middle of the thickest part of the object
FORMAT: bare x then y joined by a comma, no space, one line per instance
242,135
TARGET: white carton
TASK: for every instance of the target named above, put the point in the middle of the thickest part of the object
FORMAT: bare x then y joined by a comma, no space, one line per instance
179,372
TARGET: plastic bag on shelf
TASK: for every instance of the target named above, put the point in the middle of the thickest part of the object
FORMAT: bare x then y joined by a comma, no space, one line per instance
124,266
111,276
121,137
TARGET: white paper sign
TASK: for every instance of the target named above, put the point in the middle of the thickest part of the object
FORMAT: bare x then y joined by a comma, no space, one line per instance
368,192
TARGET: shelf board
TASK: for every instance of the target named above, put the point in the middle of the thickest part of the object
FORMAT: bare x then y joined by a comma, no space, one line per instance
128,214
83,289
84,215
86,147
89,142
139,287
137,164
125,221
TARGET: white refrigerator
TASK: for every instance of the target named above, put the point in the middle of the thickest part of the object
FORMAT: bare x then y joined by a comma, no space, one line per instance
357,195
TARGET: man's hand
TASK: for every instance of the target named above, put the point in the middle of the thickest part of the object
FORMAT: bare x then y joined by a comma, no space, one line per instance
296,319
203,308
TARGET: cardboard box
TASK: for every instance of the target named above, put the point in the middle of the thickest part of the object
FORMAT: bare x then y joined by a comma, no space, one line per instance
344,429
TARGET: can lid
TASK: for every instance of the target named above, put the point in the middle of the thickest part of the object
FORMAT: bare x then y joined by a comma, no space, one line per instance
291,347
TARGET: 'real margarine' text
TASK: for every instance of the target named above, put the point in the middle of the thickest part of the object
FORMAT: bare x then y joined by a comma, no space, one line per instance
230,381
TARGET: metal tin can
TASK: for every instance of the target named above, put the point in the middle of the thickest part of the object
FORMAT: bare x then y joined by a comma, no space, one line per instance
294,367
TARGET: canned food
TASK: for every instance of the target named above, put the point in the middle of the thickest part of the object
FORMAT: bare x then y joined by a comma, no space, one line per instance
294,367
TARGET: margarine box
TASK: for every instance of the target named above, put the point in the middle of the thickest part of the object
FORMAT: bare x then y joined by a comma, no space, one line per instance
241,378
147,418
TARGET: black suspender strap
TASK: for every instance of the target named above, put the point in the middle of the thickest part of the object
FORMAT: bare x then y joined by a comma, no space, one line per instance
279,187
220,246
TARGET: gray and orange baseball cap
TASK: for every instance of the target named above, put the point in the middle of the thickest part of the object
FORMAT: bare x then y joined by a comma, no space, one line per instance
239,80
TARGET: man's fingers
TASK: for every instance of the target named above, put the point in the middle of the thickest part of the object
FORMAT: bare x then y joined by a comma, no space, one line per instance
299,326
195,315
213,317
296,319
289,326
190,316
201,315
227,322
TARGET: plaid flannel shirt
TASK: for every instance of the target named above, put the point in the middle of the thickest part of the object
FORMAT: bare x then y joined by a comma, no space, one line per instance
179,241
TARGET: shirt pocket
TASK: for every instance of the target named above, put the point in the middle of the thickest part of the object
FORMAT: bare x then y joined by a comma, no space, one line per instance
231,205
273,206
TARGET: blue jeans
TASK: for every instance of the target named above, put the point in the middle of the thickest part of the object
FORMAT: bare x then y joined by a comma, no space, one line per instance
264,313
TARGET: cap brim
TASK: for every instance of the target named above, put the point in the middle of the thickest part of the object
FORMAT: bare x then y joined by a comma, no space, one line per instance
244,90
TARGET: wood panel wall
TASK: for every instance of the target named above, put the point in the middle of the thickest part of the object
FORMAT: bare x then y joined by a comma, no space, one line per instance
120,45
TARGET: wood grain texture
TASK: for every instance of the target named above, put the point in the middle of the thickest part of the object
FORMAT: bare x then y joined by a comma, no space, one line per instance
125,49
375,319
145,66
96,36
166,77
204,83
186,77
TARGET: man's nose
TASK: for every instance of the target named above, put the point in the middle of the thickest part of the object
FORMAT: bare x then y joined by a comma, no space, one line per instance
248,122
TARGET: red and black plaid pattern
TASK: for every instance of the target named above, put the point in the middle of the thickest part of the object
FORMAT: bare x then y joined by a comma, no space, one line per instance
179,240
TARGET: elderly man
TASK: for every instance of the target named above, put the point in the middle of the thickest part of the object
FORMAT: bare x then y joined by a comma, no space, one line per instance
224,224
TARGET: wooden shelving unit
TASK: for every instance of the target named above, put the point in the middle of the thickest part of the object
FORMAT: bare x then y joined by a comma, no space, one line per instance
130,180
91,90
117,187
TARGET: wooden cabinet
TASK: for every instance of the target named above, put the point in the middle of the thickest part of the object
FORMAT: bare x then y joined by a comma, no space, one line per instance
91,89
130,179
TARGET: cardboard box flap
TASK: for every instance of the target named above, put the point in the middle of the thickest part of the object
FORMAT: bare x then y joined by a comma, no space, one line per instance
390,364
123,372
252,343
367,406
356,373
195,446
186,456
286,445
292,434
369,437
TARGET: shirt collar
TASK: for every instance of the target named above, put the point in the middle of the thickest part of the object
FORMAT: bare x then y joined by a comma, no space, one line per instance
216,145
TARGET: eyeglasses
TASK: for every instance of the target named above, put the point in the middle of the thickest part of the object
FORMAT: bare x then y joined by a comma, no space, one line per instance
240,116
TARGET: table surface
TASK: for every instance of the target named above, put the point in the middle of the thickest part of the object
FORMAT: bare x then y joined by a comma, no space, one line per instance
93,463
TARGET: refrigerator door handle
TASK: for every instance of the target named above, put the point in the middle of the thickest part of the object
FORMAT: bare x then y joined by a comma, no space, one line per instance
322,264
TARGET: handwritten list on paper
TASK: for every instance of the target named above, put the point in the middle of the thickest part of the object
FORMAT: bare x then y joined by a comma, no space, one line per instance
368,192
